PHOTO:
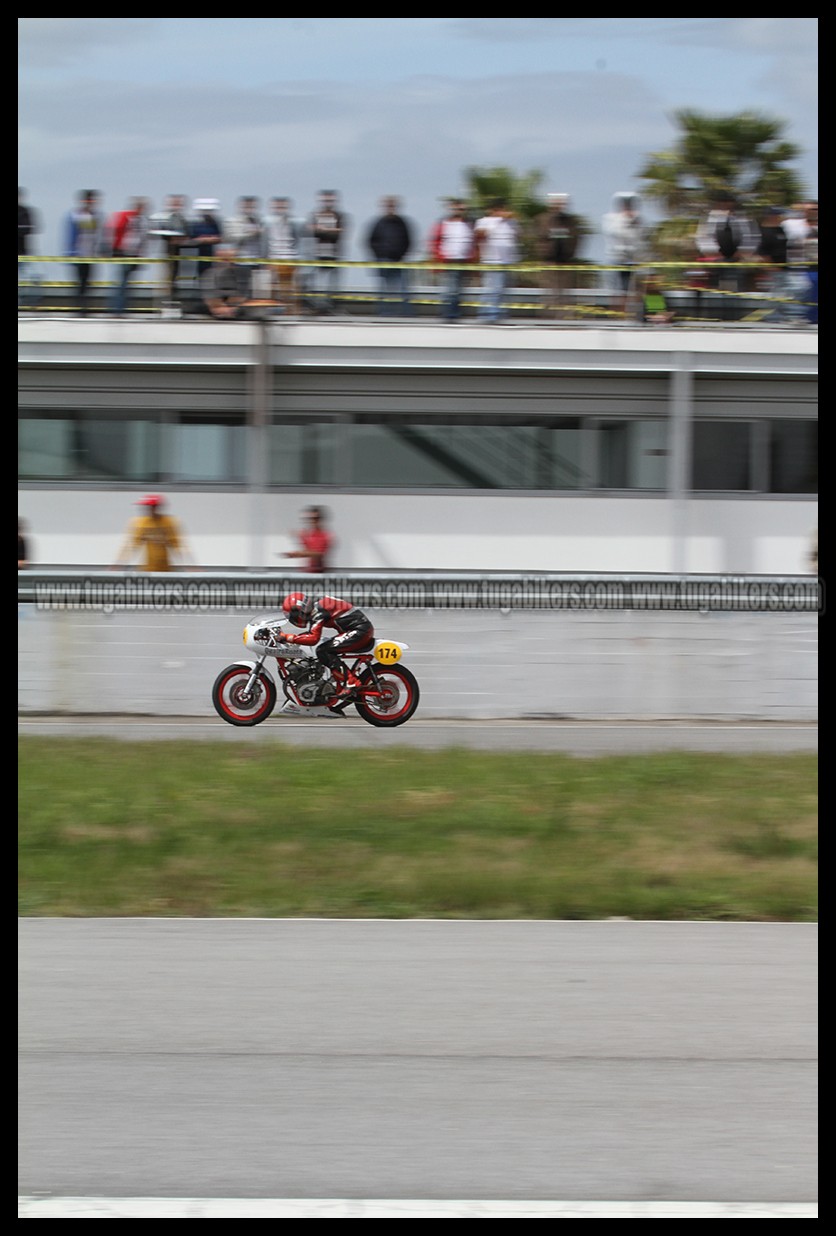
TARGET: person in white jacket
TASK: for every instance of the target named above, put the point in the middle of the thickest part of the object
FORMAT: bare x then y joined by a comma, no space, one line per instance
624,236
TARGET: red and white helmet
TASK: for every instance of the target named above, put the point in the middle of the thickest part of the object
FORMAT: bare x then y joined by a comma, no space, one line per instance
298,608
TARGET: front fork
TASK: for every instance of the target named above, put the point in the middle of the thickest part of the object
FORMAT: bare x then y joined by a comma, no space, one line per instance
254,675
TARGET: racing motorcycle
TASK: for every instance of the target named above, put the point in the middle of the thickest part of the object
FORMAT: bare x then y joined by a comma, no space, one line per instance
245,693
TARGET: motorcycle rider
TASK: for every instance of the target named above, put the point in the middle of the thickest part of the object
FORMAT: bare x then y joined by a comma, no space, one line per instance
355,633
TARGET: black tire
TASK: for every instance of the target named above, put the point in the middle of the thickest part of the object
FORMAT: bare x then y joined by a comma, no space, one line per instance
401,700
228,701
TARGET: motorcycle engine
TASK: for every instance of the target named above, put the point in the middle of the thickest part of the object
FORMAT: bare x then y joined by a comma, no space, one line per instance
309,684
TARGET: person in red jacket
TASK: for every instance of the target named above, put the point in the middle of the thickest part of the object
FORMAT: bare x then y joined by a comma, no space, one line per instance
452,242
315,541
128,231
354,633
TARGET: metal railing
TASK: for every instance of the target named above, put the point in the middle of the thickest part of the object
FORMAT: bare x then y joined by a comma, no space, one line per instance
698,292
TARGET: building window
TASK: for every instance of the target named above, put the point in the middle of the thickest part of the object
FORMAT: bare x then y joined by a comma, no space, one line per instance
465,453
208,450
793,457
304,451
762,455
87,446
44,448
633,454
777,456
83,446
722,456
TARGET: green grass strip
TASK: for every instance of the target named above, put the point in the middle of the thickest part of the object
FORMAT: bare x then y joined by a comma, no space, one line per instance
211,829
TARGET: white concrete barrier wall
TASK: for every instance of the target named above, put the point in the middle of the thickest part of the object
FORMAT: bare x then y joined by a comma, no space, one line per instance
480,664
445,532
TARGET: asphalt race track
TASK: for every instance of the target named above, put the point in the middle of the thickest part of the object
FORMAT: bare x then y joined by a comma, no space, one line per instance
311,1068
572,737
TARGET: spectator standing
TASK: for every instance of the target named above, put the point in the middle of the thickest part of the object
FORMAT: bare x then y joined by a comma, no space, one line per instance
772,249
171,227
28,225
454,244
83,241
284,250
498,242
245,232
326,230
558,242
205,233
315,541
390,240
128,239
624,237
433,240
725,235
156,535
802,228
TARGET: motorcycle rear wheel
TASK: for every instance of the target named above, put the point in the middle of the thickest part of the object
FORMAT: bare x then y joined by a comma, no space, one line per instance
398,701
238,708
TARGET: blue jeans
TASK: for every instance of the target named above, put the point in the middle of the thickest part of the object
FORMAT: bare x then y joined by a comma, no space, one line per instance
120,292
494,283
394,286
795,287
780,287
804,285
813,296
453,296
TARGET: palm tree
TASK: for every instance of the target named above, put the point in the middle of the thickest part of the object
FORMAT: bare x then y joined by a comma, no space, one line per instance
522,193
744,154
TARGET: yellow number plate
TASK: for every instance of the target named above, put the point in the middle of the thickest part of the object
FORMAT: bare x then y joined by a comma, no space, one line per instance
387,653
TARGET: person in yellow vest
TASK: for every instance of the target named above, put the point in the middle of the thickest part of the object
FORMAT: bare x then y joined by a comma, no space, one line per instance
156,535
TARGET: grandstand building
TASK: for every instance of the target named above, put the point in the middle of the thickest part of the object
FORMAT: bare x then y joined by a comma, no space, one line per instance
527,447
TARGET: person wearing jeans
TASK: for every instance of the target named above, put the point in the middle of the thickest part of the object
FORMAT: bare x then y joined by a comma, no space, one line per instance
128,234
455,245
498,241
390,240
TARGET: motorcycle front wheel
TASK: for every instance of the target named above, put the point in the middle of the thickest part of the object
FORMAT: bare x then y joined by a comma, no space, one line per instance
238,706
397,701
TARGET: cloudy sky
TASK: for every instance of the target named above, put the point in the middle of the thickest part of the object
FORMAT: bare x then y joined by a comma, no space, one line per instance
221,107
